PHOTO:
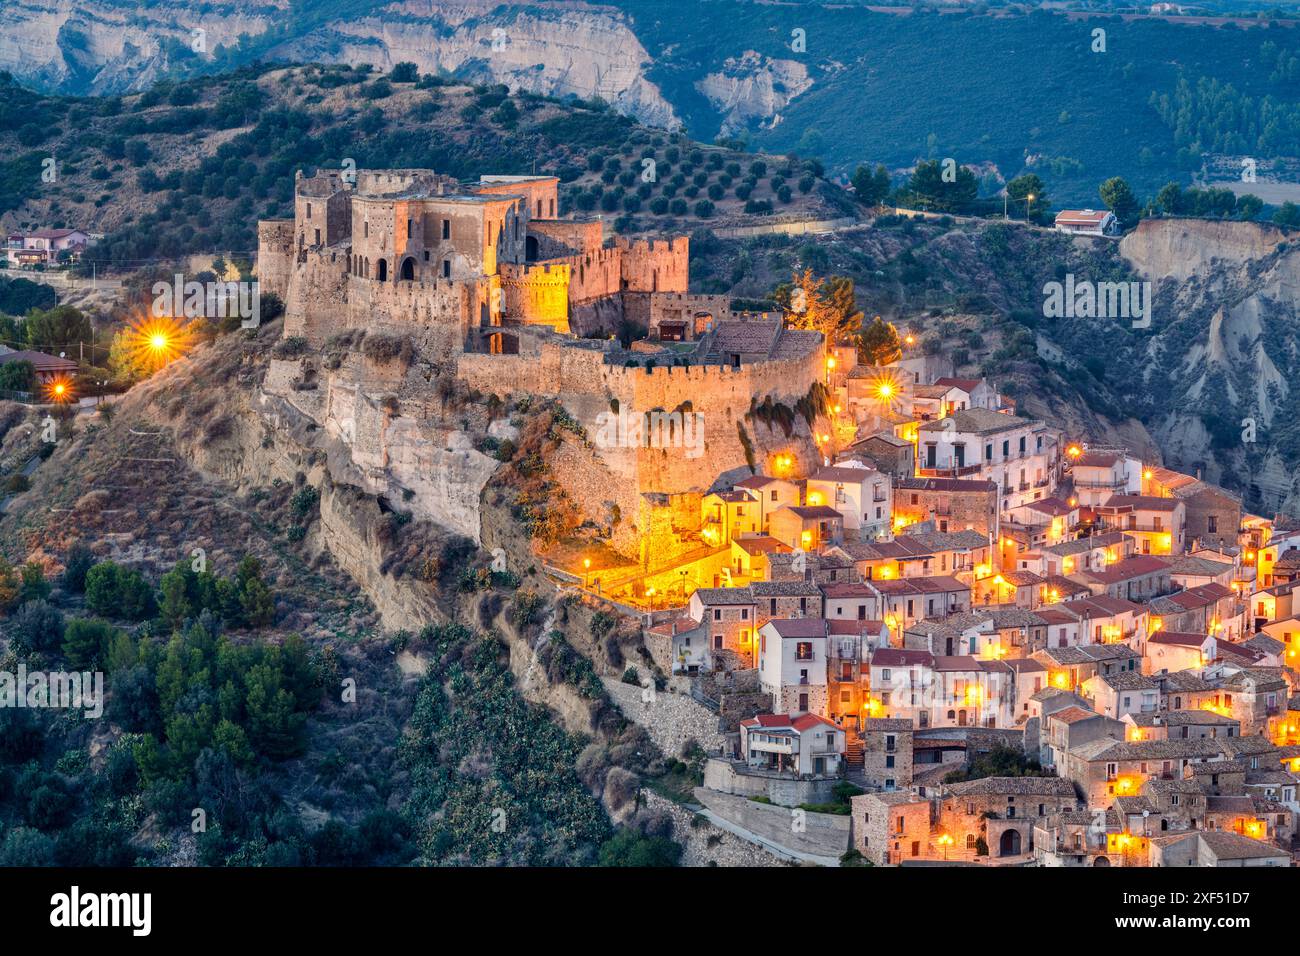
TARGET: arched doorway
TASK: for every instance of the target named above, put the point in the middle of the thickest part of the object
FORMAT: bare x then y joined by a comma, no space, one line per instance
382,271
1101,861
1009,844
530,249
407,273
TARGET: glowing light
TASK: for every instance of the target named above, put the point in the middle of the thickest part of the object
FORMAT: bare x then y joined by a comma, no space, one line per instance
1061,679
156,342
886,574
814,497
885,390
830,363
910,339
825,438
837,409
944,840
586,564
1073,502
806,538
1147,474
1074,451
59,390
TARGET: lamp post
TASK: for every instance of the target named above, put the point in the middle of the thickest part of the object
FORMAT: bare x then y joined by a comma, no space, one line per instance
586,575
945,841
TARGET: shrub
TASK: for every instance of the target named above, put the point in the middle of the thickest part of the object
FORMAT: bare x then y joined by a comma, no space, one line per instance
37,626
80,559
115,591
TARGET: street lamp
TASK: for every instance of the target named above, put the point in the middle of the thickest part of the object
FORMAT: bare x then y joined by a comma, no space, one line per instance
586,576
944,841
1029,202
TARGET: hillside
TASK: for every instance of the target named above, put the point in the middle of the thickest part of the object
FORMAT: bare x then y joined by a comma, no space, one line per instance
1162,99
189,167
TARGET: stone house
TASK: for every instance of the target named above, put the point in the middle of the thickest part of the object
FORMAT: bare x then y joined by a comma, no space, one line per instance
890,827
953,504
728,616
887,752
1072,726
1123,692
1158,524
1002,812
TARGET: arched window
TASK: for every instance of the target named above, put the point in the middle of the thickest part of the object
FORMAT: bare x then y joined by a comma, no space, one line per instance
382,273
407,273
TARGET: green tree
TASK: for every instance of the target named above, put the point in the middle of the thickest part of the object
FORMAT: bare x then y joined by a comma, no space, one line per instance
1119,199
1287,215
57,330
80,560
86,641
821,305
256,603
932,188
1021,188
871,188
879,344
34,587
17,377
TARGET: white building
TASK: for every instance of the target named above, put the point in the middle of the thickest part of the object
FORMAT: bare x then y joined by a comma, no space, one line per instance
1087,222
858,492
806,745
792,664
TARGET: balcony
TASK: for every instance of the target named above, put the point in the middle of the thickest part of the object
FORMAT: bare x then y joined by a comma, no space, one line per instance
953,472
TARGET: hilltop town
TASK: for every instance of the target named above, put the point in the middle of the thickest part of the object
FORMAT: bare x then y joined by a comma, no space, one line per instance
926,626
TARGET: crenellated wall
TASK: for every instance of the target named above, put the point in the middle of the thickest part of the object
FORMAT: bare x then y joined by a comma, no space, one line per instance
598,477
537,294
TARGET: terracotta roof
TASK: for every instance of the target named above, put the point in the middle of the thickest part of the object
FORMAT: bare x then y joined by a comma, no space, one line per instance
901,657
1072,715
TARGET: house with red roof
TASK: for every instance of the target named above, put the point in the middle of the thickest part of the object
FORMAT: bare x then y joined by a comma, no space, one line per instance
807,745
44,245
1087,222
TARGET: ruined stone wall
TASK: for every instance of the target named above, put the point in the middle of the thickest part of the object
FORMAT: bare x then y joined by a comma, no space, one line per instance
274,256
317,303
436,313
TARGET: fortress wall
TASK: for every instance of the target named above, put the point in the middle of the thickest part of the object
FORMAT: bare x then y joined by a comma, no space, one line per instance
562,238
317,305
435,313
275,256
660,265
537,294
598,477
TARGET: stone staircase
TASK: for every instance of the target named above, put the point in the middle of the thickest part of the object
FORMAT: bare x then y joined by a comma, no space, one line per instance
853,751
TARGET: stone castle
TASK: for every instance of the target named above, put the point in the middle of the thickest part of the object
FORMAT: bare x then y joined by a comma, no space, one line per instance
486,278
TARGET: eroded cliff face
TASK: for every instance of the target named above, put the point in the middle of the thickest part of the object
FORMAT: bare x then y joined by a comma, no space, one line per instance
104,47
754,88
99,46
1229,349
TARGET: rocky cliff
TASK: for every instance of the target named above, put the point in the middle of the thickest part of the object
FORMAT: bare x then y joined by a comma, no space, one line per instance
1222,369
105,47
